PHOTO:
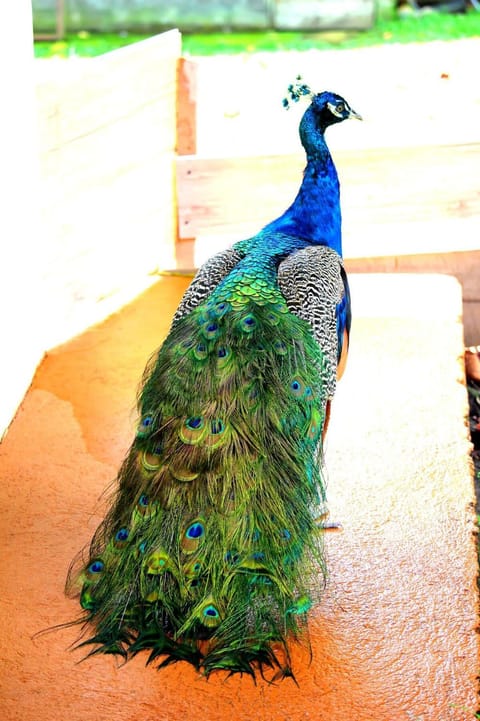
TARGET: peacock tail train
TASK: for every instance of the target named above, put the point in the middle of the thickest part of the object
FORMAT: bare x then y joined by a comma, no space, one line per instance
212,550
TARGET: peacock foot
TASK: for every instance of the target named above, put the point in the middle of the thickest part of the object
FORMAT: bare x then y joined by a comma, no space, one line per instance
324,524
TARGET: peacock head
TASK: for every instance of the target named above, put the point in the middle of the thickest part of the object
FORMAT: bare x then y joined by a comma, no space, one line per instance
330,108
325,109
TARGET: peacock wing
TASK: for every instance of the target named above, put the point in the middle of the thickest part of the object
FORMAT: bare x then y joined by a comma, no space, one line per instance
314,284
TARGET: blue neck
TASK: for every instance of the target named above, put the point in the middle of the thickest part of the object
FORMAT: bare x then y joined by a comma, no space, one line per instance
314,215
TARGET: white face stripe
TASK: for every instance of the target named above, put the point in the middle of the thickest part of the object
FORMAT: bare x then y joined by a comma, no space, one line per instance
333,108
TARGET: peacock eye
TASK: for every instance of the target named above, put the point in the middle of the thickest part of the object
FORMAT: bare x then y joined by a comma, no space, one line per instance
340,107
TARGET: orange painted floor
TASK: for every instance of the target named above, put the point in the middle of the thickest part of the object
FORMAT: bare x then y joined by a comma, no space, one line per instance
395,637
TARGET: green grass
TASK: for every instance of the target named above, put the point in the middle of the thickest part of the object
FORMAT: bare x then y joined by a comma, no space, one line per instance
412,28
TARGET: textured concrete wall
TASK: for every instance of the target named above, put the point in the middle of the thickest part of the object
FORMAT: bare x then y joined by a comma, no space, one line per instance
105,15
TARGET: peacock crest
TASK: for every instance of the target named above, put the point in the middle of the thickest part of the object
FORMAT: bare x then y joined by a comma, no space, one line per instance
296,91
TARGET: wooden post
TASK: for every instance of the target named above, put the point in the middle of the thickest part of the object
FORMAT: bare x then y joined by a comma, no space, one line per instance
186,145
59,24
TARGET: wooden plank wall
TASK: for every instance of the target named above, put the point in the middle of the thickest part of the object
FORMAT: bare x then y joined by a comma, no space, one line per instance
20,242
410,208
107,134
383,186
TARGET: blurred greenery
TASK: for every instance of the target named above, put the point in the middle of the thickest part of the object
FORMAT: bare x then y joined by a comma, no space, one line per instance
402,29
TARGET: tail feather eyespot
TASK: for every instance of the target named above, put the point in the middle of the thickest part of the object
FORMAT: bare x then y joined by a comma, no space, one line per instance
121,538
200,351
193,536
146,425
192,430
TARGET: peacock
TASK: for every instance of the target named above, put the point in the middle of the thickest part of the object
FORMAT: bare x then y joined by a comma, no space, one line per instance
211,551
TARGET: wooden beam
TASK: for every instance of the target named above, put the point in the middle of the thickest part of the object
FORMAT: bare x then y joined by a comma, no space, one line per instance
236,196
187,71
187,85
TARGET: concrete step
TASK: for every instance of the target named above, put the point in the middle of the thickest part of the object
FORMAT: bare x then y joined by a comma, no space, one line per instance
395,637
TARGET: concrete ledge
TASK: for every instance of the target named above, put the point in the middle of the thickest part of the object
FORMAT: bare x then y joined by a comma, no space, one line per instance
395,638
402,592
462,265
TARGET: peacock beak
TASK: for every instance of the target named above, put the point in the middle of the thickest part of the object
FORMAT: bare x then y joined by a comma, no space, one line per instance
355,115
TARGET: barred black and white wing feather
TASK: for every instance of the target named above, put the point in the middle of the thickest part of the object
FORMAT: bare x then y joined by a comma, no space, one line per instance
314,284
